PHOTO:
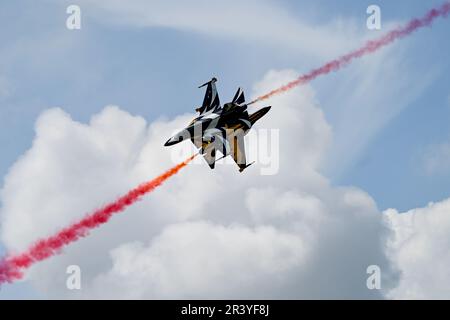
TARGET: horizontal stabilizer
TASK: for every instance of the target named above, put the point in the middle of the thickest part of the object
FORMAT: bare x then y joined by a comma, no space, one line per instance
243,167
258,115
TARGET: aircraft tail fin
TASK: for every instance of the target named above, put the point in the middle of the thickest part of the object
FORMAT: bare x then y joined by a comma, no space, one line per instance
239,97
211,100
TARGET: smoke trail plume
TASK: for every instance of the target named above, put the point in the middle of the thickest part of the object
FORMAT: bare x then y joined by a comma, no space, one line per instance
368,48
12,267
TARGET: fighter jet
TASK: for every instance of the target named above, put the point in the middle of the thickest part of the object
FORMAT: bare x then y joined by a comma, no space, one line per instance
218,128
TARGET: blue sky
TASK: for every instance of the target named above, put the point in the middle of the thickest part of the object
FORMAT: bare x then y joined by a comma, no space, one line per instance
154,72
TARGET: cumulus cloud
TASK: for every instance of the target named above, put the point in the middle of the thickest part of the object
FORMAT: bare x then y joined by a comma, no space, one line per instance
204,234
420,250
205,260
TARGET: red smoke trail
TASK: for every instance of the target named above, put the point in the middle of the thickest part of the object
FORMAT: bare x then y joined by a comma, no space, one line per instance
368,48
11,267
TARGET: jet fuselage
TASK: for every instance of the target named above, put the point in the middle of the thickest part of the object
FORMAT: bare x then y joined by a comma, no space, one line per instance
232,117
220,128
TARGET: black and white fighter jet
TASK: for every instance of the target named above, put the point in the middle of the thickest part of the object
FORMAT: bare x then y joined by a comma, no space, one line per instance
220,128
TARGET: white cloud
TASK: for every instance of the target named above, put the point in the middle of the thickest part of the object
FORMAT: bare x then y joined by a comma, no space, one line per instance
201,259
252,21
204,233
73,168
420,250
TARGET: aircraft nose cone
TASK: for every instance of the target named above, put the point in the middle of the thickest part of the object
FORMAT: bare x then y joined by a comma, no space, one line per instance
170,142
180,136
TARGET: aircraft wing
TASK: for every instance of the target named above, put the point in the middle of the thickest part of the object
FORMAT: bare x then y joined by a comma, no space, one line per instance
232,145
210,156
208,150
211,100
238,150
